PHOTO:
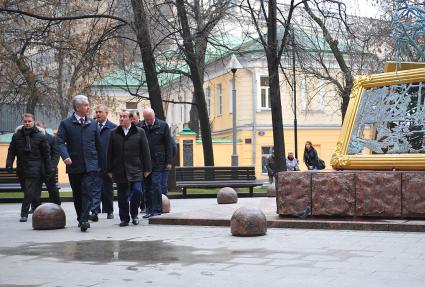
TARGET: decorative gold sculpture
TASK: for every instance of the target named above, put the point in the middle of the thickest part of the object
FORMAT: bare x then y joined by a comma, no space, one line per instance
384,127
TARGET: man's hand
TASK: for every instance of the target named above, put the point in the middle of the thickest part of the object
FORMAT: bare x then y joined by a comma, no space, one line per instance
146,173
110,174
168,166
68,161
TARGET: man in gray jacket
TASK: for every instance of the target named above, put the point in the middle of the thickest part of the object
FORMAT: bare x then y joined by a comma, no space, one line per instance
128,163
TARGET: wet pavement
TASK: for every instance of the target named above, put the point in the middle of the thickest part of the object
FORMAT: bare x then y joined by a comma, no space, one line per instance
159,255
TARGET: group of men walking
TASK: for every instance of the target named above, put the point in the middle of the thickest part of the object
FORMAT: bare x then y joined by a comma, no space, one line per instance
136,155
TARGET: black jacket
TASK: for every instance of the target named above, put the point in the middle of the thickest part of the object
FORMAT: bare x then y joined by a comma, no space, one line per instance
128,156
30,163
311,158
81,143
160,145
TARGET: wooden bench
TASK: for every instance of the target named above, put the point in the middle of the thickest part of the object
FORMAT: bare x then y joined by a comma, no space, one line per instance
216,177
9,181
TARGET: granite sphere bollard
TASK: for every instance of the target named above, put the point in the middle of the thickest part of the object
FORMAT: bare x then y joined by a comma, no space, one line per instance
271,190
48,216
248,221
165,204
227,195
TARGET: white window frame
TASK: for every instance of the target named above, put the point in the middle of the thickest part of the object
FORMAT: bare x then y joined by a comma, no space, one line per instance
219,99
259,100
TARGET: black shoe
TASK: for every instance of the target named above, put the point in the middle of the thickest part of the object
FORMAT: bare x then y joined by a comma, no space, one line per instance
135,221
110,215
84,226
93,217
123,223
147,215
23,219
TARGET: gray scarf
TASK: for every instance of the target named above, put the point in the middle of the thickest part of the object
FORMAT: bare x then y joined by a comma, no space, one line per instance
27,134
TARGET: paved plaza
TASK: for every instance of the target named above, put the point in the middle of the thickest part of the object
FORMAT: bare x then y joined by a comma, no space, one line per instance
173,255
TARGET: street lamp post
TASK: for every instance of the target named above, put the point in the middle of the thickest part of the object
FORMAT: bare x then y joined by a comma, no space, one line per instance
233,66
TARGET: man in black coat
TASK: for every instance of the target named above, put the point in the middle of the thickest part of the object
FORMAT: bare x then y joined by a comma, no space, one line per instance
158,134
103,192
79,146
128,163
50,182
31,149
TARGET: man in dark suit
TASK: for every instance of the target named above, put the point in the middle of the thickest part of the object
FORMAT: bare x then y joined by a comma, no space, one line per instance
159,137
128,163
29,145
79,146
50,182
103,192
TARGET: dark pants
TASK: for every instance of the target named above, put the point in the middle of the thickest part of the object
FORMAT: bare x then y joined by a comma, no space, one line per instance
82,185
53,189
129,194
153,194
32,192
103,193
164,181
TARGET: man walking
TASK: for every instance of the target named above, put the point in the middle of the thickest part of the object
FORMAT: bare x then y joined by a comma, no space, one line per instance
50,181
103,192
158,134
29,145
79,146
128,163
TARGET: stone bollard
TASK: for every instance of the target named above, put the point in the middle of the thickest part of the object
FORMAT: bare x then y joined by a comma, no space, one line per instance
227,195
248,221
165,204
271,190
48,216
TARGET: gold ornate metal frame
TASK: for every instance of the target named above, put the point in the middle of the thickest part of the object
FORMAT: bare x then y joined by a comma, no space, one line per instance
341,160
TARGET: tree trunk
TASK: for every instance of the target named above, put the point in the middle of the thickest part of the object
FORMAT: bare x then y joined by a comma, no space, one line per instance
274,84
194,116
145,45
197,81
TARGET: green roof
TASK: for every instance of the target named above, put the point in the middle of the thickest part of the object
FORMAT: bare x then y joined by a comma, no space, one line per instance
133,76
187,131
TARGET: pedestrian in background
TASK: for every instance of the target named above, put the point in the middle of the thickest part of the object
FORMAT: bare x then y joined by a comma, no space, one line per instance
103,191
50,181
311,158
292,162
158,134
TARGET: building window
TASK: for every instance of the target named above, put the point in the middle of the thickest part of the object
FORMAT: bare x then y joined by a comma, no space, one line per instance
131,105
266,152
265,101
219,100
313,94
208,100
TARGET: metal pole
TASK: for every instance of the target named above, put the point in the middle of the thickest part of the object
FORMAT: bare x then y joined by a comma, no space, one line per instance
294,88
235,152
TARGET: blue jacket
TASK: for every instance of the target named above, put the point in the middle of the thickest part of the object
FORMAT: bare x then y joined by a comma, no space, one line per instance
81,143
105,134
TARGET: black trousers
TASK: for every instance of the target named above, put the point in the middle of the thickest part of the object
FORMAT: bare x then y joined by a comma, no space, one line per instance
107,194
82,185
32,192
129,199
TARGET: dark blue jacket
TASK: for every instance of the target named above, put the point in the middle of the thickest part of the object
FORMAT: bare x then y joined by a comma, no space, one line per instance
160,145
81,143
105,133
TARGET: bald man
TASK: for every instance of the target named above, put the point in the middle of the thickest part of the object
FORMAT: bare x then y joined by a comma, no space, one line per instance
159,137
